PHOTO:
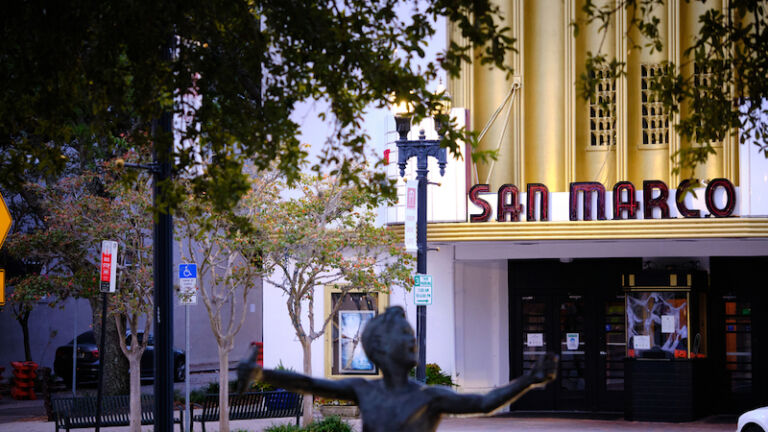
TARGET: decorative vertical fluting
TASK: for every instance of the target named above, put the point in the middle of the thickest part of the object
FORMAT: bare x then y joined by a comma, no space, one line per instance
622,135
544,95
596,120
700,76
648,129
490,88
731,143
569,78
518,125
460,88
674,56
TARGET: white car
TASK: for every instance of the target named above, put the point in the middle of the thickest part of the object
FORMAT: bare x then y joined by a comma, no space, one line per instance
754,421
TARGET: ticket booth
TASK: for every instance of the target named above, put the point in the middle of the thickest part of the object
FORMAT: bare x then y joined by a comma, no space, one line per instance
667,371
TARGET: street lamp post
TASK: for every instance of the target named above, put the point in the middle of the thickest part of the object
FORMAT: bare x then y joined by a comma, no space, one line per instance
422,149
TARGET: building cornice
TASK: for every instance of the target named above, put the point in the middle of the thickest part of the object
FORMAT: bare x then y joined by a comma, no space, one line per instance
678,228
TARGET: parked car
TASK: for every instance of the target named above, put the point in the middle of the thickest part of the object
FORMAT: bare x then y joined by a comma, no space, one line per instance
88,360
754,421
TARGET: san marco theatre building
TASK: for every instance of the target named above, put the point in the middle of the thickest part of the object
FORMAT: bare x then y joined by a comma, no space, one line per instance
582,239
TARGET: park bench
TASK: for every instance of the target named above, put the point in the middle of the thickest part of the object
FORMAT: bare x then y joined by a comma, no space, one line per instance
254,405
80,412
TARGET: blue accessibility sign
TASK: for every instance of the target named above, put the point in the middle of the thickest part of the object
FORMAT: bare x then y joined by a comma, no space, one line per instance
187,271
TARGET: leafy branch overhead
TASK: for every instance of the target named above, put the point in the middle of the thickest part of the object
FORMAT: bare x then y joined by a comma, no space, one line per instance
99,73
718,89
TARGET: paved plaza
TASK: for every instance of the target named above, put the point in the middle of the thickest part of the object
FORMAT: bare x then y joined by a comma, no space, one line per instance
28,416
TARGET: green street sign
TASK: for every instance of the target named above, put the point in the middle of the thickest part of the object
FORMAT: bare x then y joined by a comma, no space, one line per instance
422,290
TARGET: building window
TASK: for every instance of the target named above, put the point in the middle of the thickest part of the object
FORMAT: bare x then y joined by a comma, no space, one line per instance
655,120
344,354
702,81
602,111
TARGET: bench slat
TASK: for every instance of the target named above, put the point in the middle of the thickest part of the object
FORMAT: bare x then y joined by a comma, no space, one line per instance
80,412
252,405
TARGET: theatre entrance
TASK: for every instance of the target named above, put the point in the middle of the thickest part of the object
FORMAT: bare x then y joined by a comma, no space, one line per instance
575,309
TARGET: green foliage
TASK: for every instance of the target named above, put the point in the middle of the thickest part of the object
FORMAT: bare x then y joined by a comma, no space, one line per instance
63,221
324,233
213,388
436,376
238,71
729,48
334,402
287,427
328,424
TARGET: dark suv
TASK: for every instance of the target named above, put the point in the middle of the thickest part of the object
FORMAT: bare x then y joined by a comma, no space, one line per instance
88,360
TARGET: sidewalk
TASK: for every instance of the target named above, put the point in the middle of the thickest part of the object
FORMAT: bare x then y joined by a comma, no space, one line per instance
28,416
488,424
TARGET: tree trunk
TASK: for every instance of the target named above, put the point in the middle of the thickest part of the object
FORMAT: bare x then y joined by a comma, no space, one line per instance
223,390
306,346
24,322
135,396
116,376
116,380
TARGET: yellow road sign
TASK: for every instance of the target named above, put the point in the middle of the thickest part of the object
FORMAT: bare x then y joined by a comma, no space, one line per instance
5,226
5,220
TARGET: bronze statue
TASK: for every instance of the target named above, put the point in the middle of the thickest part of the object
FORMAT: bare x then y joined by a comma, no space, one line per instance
395,402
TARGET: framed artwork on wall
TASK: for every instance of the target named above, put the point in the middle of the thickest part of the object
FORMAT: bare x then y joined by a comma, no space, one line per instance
352,358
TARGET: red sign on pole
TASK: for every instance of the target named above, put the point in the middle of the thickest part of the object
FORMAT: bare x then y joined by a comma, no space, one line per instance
108,255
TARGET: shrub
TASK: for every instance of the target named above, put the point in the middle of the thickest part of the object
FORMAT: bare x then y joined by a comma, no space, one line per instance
327,401
435,375
213,387
284,428
328,424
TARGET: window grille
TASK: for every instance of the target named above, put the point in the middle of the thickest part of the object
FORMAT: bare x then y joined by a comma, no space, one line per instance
655,120
602,111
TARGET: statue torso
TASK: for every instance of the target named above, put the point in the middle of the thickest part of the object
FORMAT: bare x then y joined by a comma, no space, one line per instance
405,410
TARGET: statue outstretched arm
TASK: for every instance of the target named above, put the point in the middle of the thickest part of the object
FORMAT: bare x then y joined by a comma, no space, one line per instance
542,373
248,370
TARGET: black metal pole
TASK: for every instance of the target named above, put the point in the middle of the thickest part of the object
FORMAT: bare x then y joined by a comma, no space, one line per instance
422,149
102,359
163,292
421,261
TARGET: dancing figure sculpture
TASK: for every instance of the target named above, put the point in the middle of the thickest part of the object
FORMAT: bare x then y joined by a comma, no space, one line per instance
395,402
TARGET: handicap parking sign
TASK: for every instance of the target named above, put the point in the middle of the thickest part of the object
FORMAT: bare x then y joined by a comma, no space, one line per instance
188,283
187,271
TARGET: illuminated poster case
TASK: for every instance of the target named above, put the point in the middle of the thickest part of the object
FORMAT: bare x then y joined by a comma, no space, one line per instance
666,367
665,320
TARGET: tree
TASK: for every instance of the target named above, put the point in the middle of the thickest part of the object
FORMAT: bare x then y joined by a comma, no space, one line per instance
97,73
77,212
325,235
129,221
730,47
216,242
27,293
65,245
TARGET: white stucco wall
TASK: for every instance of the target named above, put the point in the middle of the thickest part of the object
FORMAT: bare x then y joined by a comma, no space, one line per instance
440,315
280,341
482,324
753,173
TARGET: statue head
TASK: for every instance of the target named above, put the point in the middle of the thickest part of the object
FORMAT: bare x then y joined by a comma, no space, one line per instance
389,340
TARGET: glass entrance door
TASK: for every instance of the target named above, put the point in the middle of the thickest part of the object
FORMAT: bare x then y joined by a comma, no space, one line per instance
573,362
556,323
